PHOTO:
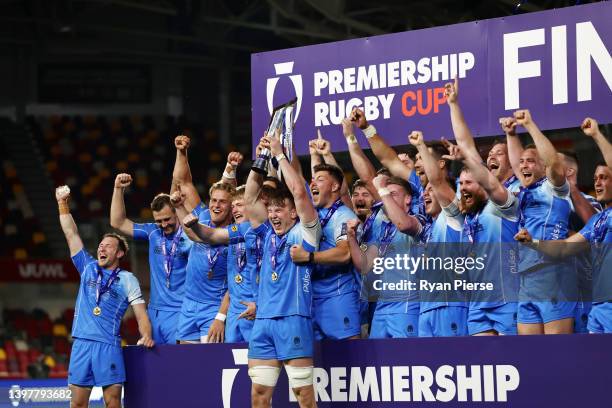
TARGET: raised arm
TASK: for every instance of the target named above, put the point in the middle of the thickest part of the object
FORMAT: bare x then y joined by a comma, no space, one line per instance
555,169
383,152
181,175
407,224
591,128
515,147
234,159
118,217
443,191
496,191
257,210
462,132
323,147
362,165
315,157
294,181
73,239
212,236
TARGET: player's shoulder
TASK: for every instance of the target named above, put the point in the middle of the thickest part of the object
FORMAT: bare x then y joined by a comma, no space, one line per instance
127,278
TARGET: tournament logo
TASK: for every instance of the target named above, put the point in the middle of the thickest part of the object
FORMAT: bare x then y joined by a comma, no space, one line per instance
229,375
285,68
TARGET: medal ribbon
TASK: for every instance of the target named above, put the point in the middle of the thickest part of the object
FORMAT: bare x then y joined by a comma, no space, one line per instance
337,204
388,233
367,225
277,249
600,228
240,255
101,289
169,257
524,198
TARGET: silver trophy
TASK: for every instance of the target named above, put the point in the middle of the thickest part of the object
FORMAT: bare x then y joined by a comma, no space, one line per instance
282,119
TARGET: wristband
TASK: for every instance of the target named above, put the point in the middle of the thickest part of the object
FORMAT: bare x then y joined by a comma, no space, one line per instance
221,317
311,257
280,156
350,139
230,175
63,207
535,241
369,131
383,191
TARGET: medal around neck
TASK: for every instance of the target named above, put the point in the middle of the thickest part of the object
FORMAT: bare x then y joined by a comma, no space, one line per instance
97,311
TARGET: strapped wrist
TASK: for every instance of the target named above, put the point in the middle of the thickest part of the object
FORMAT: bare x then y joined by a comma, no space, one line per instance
221,317
370,131
383,191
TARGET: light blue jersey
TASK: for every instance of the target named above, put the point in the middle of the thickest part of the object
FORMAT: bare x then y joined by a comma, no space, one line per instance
389,243
333,280
598,231
417,205
285,288
544,212
206,280
439,239
513,184
124,291
491,232
241,268
167,289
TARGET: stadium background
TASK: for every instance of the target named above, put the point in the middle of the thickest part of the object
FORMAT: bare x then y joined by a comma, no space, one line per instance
93,88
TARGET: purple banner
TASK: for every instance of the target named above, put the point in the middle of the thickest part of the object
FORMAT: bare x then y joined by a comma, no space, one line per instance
519,371
556,63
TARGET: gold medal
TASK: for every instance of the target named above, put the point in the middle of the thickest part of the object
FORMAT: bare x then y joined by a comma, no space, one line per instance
97,311
238,279
274,276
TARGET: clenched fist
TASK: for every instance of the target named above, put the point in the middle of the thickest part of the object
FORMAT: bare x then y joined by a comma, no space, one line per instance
234,159
62,193
123,180
523,117
182,142
590,127
508,125
190,220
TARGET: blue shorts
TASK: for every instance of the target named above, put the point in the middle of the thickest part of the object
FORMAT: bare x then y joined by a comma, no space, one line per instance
93,363
336,317
581,317
281,338
237,330
394,325
164,325
502,319
195,320
445,321
545,312
600,318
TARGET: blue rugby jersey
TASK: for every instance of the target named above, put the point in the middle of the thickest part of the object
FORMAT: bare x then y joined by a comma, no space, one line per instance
598,231
544,211
391,242
206,280
285,288
492,231
241,266
164,297
124,291
332,280
441,239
